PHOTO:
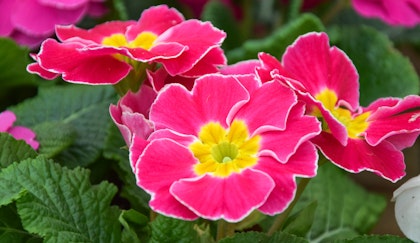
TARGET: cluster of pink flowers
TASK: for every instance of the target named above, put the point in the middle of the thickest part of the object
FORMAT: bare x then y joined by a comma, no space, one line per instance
218,142
7,118
29,22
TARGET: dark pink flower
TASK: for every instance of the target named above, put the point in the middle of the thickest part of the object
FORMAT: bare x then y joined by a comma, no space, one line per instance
7,118
401,12
29,22
211,143
354,138
110,51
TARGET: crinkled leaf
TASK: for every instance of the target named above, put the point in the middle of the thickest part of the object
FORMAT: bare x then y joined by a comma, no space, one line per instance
13,62
54,137
383,70
12,150
80,107
277,42
375,238
134,224
165,229
221,16
11,228
301,222
115,149
252,237
344,210
60,204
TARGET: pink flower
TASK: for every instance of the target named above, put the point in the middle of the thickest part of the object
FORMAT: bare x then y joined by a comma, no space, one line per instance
7,118
354,138
401,12
110,51
227,147
29,22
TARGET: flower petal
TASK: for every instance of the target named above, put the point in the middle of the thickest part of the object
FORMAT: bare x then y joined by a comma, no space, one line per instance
231,198
7,118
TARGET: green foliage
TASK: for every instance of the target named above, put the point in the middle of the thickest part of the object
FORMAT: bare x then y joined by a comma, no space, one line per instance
81,109
164,229
277,42
134,224
12,150
60,204
383,70
344,209
301,222
252,237
11,228
375,238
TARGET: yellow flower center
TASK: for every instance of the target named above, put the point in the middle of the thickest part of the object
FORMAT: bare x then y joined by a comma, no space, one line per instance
144,40
355,125
221,152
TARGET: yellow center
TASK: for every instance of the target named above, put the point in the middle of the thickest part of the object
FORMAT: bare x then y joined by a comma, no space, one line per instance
144,40
355,125
221,152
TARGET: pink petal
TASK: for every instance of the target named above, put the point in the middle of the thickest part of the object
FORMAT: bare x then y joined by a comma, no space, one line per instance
231,198
79,66
383,159
311,61
46,17
393,119
281,145
158,169
182,139
136,148
199,37
6,25
7,118
96,34
243,67
166,112
161,77
26,134
35,68
63,4
268,107
207,64
156,19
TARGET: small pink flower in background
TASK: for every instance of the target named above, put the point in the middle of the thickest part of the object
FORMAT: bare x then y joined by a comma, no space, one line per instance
29,22
7,118
354,138
107,53
227,147
401,12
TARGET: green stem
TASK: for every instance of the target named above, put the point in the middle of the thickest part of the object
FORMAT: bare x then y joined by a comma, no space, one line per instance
281,218
340,5
224,229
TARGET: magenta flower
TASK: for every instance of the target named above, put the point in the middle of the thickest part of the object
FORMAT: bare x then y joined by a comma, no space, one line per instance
354,138
7,118
17,17
401,12
107,53
227,147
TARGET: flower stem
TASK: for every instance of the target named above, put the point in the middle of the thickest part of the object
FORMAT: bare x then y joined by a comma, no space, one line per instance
281,218
224,229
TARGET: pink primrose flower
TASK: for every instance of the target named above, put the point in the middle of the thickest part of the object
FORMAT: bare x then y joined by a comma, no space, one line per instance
354,138
227,147
107,53
7,118
29,22
401,12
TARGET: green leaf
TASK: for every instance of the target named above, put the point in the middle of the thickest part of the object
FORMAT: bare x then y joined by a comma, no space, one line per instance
115,149
383,70
60,204
344,210
221,16
11,228
134,224
252,237
13,62
165,229
375,238
277,42
12,150
300,223
54,137
81,110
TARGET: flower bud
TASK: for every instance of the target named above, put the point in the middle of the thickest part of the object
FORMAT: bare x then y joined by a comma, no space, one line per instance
407,208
